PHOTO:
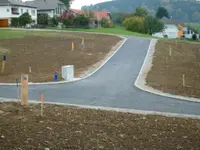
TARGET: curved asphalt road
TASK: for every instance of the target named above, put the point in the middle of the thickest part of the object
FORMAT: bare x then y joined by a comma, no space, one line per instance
111,86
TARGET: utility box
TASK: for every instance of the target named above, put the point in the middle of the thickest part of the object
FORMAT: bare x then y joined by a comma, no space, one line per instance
68,72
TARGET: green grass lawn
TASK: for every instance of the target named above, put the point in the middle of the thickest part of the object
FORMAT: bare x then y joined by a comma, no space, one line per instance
7,33
117,30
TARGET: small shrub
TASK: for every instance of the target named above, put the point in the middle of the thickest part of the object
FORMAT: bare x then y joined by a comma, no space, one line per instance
106,24
194,37
25,19
43,19
81,20
135,24
54,21
14,22
67,22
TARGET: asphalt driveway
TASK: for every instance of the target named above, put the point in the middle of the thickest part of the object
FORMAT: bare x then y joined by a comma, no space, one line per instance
111,86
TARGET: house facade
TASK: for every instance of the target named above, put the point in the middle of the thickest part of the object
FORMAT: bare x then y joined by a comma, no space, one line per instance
14,8
51,7
98,14
170,31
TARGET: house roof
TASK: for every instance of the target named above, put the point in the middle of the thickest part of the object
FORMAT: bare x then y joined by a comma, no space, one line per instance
77,11
45,4
171,26
15,2
101,14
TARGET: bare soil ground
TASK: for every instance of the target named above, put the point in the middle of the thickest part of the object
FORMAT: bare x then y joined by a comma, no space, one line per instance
71,128
46,54
167,71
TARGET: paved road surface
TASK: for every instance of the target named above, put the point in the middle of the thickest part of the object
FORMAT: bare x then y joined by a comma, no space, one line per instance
111,86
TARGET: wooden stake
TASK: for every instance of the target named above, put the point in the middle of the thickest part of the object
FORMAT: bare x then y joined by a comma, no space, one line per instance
42,105
29,68
183,77
24,89
73,46
3,66
170,51
83,43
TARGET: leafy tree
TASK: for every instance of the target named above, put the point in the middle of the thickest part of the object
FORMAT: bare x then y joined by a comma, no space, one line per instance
105,23
152,25
119,18
194,37
67,2
135,24
15,22
43,19
68,21
81,20
162,12
54,20
25,19
140,12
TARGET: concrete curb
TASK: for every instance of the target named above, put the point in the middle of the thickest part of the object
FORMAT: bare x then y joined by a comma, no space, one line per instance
124,39
146,67
132,111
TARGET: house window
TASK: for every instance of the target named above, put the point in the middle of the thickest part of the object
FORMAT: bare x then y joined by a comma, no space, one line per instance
22,11
33,12
8,10
58,10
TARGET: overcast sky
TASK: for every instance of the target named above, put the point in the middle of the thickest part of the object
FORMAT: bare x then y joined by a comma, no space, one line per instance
77,4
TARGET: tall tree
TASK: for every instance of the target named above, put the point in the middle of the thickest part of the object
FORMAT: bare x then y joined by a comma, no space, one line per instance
141,12
162,12
153,25
67,2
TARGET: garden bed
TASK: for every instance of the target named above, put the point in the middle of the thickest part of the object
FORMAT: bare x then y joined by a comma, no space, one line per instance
46,52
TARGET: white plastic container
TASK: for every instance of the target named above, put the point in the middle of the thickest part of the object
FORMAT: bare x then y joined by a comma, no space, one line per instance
68,72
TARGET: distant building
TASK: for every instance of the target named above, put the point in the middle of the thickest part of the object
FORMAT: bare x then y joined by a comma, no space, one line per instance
170,31
50,7
13,9
99,15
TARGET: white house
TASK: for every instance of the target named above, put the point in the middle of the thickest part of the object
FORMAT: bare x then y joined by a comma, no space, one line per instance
170,31
50,7
14,8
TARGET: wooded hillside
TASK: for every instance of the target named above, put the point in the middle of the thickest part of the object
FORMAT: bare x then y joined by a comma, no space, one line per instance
182,10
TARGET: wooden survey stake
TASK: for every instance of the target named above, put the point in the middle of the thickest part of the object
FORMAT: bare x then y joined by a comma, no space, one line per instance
42,104
73,46
24,89
83,43
3,65
183,77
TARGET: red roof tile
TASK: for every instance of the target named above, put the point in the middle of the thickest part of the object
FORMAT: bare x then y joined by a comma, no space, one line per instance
77,11
101,14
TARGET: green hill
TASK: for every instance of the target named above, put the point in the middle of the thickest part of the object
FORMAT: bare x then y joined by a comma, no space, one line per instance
183,10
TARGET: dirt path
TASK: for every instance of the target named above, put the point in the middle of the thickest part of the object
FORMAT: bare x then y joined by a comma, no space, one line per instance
46,54
72,128
167,72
